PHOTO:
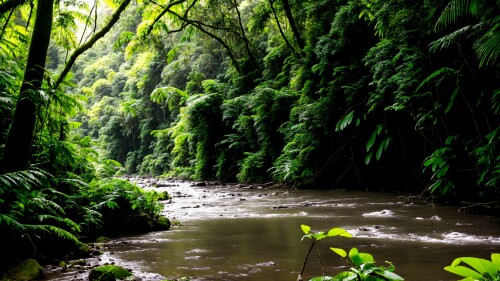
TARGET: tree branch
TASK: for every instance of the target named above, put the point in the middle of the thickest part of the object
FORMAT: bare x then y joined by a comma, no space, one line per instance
10,5
295,30
279,27
91,42
200,27
165,10
243,35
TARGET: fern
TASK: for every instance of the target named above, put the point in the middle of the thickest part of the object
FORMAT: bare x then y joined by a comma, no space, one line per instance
51,230
22,179
12,223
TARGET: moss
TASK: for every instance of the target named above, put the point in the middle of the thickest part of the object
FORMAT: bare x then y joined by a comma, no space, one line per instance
162,223
102,239
27,270
95,275
82,250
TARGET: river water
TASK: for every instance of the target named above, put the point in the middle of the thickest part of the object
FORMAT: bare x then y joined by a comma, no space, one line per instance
234,233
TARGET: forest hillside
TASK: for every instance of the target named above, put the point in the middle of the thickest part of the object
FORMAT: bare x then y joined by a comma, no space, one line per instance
372,94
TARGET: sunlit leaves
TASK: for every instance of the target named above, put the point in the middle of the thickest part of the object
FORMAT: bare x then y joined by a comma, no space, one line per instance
339,252
316,236
477,268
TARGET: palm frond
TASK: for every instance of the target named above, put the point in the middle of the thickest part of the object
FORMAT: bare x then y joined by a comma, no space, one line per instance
458,9
487,47
447,40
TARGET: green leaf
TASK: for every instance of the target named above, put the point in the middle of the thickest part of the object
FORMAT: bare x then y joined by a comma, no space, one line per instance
344,122
346,276
117,271
320,235
354,256
495,258
368,157
339,252
171,54
443,72
379,151
371,141
391,275
480,265
305,228
339,232
452,100
463,271
366,258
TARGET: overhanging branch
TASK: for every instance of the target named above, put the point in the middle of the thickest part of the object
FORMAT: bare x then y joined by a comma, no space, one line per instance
87,45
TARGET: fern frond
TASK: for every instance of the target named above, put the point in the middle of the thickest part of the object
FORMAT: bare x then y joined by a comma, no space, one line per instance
46,204
11,222
59,220
22,179
53,230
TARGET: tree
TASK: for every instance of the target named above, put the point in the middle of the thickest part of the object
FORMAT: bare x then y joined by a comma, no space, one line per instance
20,138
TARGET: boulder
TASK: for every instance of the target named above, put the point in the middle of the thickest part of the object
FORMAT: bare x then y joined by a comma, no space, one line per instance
95,275
27,270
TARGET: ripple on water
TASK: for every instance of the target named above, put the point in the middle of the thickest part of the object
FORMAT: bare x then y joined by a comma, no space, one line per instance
197,250
458,237
444,238
192,257
381,214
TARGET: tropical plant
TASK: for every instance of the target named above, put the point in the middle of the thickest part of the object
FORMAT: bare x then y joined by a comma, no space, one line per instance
31,217
477,268
483,29
362,265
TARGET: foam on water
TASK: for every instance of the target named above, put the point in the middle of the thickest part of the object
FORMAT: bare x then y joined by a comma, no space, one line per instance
383,213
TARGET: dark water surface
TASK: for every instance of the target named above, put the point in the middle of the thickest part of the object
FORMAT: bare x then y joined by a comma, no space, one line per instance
232,233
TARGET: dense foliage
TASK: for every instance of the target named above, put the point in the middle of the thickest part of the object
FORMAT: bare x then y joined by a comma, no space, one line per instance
56,188
384,94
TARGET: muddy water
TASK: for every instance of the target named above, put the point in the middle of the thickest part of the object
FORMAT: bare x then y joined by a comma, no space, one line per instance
231,233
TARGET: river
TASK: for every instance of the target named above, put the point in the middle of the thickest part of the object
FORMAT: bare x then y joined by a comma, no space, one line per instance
235,233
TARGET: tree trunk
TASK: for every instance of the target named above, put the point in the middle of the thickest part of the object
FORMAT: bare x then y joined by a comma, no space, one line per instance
295,30
20,139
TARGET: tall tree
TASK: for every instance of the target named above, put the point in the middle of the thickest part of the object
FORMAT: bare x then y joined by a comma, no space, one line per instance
18,146
20,139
